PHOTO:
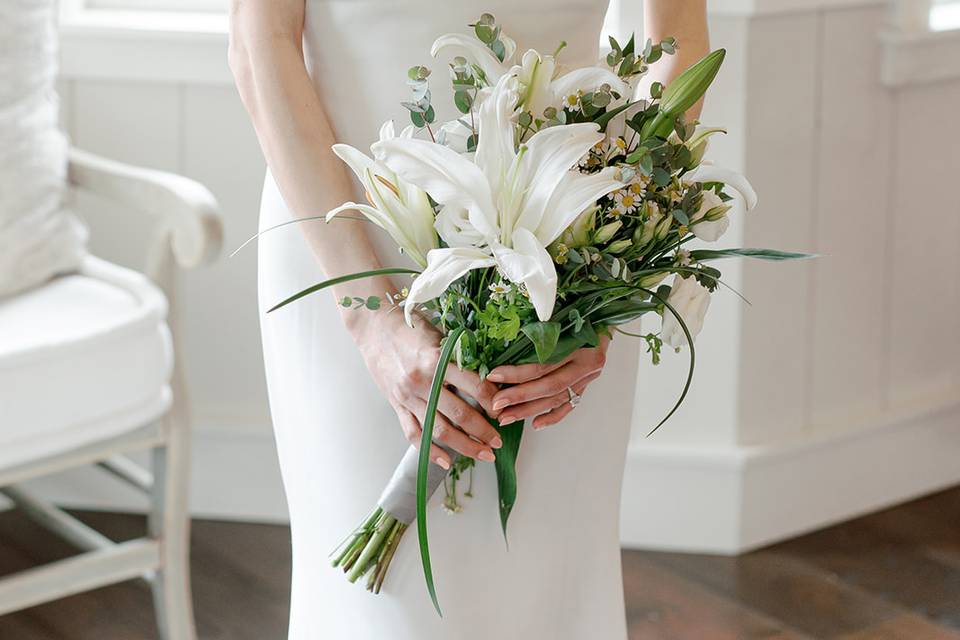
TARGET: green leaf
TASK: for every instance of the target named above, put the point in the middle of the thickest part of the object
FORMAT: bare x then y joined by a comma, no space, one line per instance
603,119
340,279
506,467
567,344
700,255
417,119
544,336
423,461
429,115
463,101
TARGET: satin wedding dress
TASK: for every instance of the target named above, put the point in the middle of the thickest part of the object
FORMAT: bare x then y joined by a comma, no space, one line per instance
339,440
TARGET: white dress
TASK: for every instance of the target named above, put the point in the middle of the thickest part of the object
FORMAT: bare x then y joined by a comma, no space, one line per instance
338,439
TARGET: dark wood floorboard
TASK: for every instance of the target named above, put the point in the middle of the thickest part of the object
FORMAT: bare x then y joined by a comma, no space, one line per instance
892,575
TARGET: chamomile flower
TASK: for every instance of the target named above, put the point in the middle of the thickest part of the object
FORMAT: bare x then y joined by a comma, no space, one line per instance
683,258
572,101
625,201
498,289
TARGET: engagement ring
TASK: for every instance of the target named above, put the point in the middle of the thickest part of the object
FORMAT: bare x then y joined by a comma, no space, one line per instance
574,397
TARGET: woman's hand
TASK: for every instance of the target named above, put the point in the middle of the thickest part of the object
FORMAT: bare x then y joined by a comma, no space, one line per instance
542,389
402,361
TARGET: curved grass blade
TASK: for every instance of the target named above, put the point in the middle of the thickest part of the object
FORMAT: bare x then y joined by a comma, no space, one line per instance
423,461
285,223
693,358
340,279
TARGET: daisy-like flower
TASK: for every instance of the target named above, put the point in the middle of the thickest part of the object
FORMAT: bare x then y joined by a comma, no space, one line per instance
683,258
498,290
620,144
625,201
572,101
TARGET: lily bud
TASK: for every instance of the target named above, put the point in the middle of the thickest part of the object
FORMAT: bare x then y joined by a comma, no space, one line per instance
607,231
663,228
652,280
619,246
683,93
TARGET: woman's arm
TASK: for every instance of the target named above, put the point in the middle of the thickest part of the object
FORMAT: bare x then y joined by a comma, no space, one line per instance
266,58
542,390
685,20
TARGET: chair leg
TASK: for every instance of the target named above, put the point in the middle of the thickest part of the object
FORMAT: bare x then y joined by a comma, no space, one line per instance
169,522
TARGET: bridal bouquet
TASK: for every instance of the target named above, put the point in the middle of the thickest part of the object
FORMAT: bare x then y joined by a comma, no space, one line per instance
551,212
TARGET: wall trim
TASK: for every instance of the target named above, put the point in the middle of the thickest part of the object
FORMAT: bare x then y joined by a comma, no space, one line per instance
919,58
729,500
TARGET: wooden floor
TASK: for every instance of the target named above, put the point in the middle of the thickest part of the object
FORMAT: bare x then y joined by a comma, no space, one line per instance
894,575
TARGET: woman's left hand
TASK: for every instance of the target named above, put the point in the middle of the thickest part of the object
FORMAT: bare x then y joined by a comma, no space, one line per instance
542,389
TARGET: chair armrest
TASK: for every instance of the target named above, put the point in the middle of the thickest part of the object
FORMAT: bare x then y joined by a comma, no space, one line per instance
188,208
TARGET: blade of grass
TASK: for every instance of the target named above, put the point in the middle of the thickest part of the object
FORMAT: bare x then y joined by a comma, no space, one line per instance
423,461
693,358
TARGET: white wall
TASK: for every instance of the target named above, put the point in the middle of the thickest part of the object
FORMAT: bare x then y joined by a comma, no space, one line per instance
841,370
847,394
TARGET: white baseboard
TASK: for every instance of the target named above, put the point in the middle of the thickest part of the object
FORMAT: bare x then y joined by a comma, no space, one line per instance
732,500
706,500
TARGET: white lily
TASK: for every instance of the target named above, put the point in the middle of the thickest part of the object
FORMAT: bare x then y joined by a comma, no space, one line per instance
709,172
503,206
396,206
540,87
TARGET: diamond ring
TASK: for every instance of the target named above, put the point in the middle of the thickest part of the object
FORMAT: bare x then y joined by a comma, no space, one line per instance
574,397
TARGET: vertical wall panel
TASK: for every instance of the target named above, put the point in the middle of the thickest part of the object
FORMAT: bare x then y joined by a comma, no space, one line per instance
852,170
219,314
780,142
923,302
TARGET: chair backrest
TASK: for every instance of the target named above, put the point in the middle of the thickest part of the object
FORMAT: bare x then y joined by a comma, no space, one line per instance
39,237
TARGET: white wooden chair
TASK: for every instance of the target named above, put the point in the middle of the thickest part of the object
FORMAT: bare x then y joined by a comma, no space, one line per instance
87,375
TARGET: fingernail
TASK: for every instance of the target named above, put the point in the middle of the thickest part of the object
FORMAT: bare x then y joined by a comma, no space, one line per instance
496,443
507,419
495,377
500,404
442,463
487,456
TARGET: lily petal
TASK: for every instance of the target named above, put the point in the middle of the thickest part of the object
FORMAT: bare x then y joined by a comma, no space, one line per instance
551,152
530,263
444,266
587,79
708,172
474,51
448,177
572,196
495,151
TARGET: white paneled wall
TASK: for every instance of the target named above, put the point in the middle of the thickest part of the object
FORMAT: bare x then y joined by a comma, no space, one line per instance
801,399
849,380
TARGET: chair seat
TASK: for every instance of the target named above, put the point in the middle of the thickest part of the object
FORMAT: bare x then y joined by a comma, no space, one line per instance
83,357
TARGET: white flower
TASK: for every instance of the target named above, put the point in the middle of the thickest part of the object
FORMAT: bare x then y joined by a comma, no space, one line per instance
455,135
709,172
683,257
691,301
537,74
709,230
396,206
503,206
625,201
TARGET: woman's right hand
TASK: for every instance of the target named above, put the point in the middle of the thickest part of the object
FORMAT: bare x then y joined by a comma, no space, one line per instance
402,361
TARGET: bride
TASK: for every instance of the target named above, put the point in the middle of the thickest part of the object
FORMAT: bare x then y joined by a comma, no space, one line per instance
315,72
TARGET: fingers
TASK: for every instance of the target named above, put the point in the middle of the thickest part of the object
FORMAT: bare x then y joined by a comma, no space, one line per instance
544,405
470,383
412,431
515,374
556,415
583,363
459,412
447,434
